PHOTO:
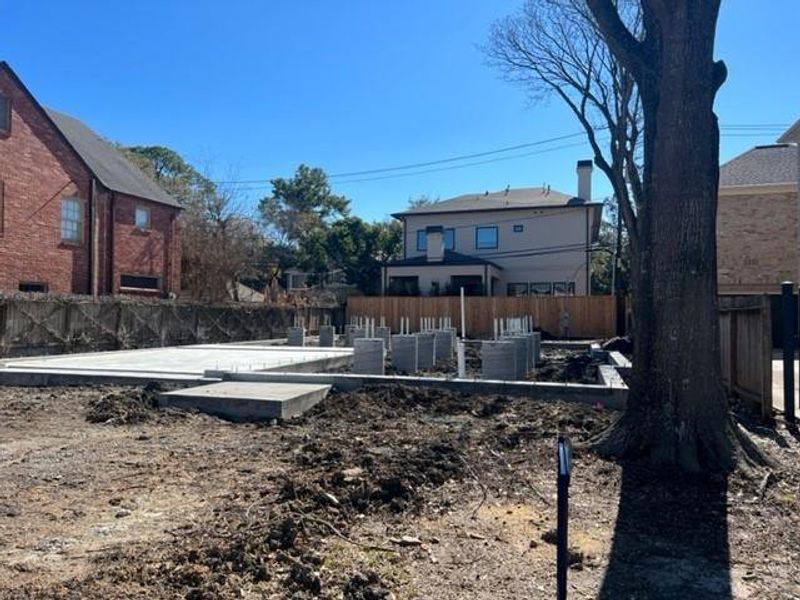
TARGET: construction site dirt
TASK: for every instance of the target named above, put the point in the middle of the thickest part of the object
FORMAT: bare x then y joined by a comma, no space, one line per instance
389,492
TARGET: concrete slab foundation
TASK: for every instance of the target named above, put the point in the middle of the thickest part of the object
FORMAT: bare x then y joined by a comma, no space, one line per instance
181,364
248,401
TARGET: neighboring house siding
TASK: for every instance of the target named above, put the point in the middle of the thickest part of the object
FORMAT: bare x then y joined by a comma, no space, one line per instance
756,242
38,170
545,230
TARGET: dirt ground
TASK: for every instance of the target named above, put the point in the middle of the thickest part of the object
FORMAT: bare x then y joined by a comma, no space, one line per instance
386,493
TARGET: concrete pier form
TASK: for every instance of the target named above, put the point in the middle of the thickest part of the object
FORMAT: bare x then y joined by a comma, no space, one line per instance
327,336
426,351
369,356
404,353
498,360
296,336
443,343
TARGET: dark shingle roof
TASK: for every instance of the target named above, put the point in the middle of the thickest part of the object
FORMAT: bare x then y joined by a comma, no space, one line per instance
762,165
450,258
107,163
514,198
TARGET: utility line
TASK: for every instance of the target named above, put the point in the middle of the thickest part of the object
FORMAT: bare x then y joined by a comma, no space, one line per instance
740,130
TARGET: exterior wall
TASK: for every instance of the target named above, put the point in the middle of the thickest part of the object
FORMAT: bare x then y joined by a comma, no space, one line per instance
757,243
39,169
440,273
154,252
548,230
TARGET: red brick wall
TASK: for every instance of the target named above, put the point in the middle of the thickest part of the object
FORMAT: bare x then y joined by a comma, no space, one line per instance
38,170
152,252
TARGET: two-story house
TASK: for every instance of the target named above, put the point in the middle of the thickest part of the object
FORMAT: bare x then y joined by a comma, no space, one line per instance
75,215
512,242
757,218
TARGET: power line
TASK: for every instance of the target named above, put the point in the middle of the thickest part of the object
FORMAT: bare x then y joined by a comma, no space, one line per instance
738,130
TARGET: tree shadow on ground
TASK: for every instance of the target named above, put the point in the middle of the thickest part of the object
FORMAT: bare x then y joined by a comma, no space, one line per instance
670,539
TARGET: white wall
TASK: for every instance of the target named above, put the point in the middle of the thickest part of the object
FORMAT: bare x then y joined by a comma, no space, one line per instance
544,231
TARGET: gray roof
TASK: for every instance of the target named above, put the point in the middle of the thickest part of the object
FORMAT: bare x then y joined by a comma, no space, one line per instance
450,258
792,134
536,197
762,165
107,163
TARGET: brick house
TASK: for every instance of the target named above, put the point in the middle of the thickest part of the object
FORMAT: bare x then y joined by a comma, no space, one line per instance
757,218
75,215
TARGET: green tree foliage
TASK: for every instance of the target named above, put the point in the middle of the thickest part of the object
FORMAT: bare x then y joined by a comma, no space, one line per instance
301,206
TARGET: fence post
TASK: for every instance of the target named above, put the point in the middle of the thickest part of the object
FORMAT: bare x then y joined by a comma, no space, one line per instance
789,332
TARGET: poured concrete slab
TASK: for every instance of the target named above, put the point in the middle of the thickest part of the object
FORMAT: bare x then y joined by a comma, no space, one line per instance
248,401
175,363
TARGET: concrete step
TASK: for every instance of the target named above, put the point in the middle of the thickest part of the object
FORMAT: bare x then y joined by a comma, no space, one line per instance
248,401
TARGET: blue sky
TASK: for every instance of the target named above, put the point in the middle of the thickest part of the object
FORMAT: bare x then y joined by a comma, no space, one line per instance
250,89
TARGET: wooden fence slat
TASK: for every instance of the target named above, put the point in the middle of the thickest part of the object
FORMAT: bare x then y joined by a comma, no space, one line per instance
590,316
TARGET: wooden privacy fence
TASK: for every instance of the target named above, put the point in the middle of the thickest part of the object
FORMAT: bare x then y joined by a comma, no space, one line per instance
589,316
55,325
746,349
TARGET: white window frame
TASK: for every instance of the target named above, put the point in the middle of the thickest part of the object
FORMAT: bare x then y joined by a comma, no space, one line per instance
72,219
137,210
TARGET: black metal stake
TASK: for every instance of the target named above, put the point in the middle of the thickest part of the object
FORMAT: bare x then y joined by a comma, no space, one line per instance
789,332
562,552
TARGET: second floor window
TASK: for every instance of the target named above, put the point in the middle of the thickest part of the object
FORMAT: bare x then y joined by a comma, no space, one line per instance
449,239
5,115
486,237
71,220
141,218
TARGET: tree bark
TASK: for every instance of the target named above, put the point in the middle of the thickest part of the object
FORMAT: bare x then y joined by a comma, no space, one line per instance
677,414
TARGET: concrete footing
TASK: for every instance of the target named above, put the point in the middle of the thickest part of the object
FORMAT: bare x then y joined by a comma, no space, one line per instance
498,360
369,356
248,401
404,353
327,336
385,333
443,345
426,351
296,336
352,333
521,355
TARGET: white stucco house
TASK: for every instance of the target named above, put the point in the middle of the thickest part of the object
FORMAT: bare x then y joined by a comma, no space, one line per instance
512,242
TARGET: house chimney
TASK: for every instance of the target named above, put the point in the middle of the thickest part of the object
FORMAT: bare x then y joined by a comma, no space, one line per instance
585,180
435,242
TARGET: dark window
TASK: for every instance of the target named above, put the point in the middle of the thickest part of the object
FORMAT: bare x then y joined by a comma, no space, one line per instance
519,228
449,239
564,288
422,240
541,287
5,115
486,237
2,206
33,286
140,282
472,284
404,286
517,289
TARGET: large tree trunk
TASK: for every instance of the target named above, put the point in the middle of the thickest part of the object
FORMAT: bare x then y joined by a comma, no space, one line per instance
677,413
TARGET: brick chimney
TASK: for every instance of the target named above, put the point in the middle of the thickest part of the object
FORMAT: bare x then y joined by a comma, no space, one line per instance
585,180
435,242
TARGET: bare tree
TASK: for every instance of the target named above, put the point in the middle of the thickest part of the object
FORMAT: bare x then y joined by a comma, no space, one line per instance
643,71
552,47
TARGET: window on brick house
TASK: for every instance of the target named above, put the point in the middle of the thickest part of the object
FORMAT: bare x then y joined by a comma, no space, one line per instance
33,286
141,282
141,217
5,115
71,220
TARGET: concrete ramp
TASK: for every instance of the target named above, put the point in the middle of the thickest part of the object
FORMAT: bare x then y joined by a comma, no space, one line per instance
247,400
